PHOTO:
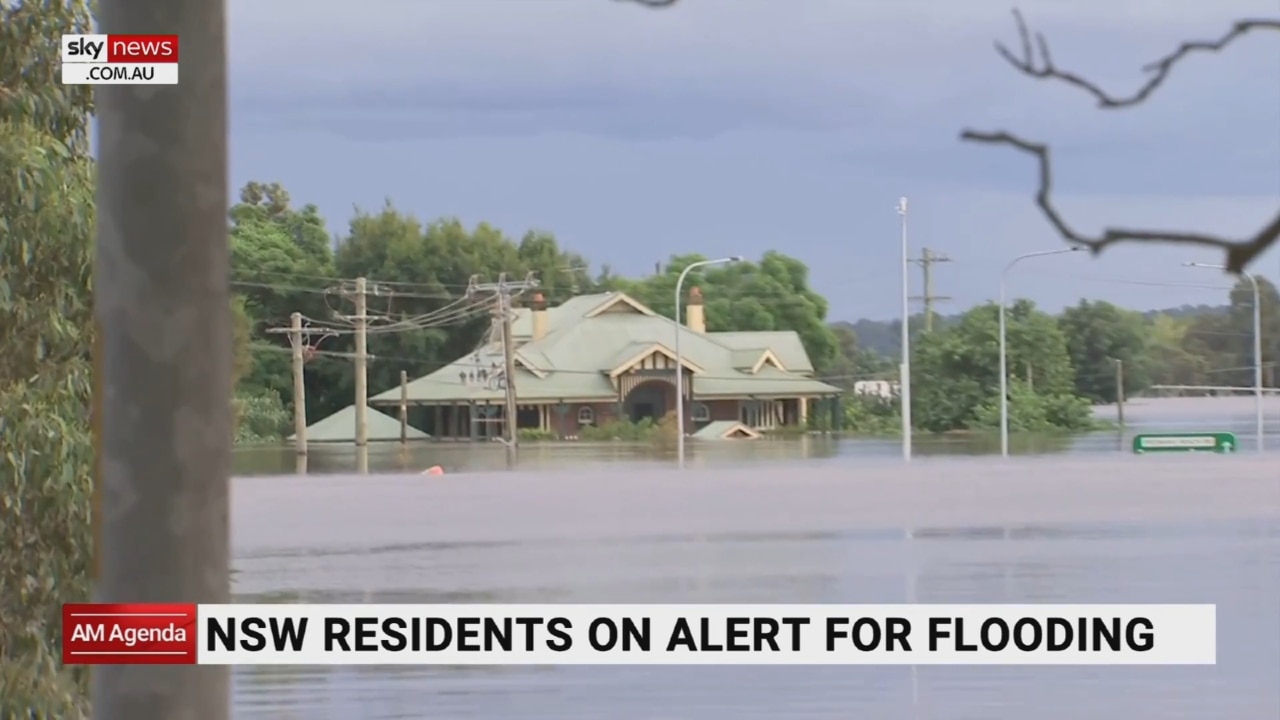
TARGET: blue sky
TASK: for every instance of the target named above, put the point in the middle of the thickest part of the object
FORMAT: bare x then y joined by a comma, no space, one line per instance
737,126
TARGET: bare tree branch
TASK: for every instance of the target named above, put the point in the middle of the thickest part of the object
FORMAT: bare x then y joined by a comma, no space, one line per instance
1039,64
1240,252
1036,62
652,3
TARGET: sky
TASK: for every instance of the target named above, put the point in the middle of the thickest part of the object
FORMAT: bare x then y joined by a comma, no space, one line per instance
733,127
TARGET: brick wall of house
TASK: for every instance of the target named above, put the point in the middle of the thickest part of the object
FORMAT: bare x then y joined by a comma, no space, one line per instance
569,426
608,412
723,410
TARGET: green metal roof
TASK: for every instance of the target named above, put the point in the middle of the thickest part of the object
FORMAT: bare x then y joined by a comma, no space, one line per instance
341,427
572,361
721,430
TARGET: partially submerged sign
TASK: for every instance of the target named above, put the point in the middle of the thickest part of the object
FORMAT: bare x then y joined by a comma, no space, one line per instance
1219,442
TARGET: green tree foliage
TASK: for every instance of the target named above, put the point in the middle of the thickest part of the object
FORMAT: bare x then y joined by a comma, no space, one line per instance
961,364
46,226
259,413
1099,334
773,294
1237,343
1175,355
418,270
853,362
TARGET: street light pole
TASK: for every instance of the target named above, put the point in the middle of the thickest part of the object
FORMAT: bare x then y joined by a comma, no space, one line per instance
1004,347
904,368
1257,348
680,358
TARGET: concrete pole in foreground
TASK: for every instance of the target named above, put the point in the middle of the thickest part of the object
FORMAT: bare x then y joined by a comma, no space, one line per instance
162,305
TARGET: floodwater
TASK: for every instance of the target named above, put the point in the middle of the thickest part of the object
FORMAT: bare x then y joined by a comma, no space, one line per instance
1229,414
1087,527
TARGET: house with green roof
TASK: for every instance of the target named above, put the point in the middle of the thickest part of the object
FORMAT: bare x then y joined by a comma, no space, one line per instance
605,357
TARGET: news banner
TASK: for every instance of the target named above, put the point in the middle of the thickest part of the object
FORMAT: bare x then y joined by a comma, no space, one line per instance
119,59
117,634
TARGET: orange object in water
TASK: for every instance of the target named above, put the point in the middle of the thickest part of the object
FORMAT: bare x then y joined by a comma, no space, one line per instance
433,470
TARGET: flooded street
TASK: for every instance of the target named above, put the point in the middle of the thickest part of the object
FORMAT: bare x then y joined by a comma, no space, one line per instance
836,525
1233,414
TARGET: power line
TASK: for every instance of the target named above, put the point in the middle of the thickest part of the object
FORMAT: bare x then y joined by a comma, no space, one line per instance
502,293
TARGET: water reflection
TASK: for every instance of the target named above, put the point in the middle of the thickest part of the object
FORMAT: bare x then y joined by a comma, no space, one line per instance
1234,564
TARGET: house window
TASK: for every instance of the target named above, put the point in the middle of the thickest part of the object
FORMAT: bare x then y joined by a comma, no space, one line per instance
701,413
586,416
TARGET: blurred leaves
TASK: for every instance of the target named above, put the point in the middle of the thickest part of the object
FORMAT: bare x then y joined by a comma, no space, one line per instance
46,230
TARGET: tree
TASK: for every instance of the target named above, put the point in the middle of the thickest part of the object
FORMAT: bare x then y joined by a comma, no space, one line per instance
423,273
957,372
1098,334
269,203
773,294
281,263
1035,62
1238,342
46,230
854,362
1173,360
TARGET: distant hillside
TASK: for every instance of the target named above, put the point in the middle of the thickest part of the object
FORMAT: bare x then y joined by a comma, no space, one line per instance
1191,311
884,336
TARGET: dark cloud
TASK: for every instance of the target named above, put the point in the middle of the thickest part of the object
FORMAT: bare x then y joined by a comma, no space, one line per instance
441,109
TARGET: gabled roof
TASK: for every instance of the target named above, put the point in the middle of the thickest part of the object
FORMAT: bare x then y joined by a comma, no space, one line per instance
341,427
726,430
633,353
751,361
590,336
785,344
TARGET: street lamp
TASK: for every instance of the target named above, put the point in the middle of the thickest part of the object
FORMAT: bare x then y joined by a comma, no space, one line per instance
904,367
1004,348
679,357
1257,345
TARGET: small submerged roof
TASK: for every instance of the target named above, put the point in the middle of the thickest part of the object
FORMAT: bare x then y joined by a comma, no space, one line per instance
341,427
726,430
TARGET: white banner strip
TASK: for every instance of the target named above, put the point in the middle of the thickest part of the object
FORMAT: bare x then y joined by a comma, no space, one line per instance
707,635
120,74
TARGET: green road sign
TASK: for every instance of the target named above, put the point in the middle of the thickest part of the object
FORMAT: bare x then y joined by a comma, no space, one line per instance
1219,442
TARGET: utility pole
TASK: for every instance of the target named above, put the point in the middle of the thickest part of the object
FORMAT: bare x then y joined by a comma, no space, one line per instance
926,261
509,363
404,407
299,386
162,307
504,292
362,365
1120,391
301,350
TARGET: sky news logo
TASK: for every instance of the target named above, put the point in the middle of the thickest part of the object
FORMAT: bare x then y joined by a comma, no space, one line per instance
119,59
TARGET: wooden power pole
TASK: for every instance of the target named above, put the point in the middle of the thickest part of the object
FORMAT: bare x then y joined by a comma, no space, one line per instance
162,305
299,386
504,291
509,368
404,407
926,261
362,365
1120,391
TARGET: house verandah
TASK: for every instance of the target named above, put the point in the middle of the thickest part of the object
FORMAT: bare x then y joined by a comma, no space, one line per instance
483,420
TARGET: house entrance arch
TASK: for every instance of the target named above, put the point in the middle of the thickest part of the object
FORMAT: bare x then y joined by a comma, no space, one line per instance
651,399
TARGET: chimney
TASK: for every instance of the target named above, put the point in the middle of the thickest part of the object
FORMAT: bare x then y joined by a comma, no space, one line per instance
539,312
694,316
